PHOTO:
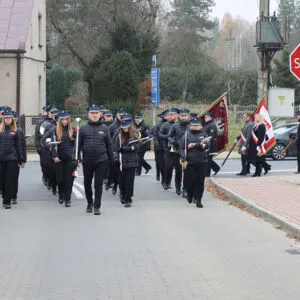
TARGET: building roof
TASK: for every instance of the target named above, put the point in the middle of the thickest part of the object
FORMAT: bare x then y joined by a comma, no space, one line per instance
15,17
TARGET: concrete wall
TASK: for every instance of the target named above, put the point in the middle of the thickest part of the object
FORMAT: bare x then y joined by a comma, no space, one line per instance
8,74
33,68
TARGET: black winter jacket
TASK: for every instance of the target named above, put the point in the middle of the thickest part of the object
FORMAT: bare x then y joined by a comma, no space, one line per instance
24,146
176,132
95,143
11,146
196,155
144,131
260,133
64,150
211,129
114,127
127,153
164,135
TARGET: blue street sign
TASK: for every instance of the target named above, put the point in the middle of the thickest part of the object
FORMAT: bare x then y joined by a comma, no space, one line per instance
155,86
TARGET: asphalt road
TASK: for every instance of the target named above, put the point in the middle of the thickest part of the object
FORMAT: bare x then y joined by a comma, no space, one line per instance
161,248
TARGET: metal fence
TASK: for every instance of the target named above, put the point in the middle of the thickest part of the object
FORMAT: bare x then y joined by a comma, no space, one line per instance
235,113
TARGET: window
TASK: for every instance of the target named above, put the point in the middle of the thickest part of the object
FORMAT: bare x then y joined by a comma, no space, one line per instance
40,30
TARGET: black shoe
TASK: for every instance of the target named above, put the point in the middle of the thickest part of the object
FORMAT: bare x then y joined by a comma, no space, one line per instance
49,187
190,199
178,191
248,172
106,186
97,211
114,189
147,170
267,169
137,174
199,204
89,209
166,187
158,178
68,204
54,192
184,193
7,206
14,201
241,174
127,204
122,199
297,172
60,199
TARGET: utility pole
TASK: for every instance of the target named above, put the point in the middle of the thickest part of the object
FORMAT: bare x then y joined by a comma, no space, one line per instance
263,72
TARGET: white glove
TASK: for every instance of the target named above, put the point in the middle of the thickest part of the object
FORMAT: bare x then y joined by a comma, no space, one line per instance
257,148
243,148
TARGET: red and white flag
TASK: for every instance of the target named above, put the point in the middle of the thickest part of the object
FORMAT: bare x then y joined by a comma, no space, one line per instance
270,140
220,112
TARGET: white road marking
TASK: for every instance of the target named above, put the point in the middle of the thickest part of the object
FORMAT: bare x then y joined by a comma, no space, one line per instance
77,193
79,185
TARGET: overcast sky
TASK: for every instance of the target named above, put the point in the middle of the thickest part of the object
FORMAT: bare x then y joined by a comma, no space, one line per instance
247,9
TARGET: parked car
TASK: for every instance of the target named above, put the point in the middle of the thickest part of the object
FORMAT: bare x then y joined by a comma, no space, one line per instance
282,135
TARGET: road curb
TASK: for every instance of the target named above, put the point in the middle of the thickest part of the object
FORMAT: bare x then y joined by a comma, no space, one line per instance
267,215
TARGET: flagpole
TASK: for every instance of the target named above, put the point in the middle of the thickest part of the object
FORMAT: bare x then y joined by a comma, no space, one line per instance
213,104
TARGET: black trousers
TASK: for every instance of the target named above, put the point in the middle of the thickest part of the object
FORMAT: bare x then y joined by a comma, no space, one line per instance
298,160
96,171
64,179
8,179
42,163
142,163
245,163
45,157
126,183
195,178
172,160
160,164
212,165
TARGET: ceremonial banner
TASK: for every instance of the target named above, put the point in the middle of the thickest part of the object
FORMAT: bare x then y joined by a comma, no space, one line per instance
219,110
270,141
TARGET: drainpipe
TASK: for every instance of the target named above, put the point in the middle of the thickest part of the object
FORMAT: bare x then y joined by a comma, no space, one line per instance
18,90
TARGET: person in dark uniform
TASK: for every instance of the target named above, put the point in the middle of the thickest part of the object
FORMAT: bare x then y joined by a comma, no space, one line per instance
193,153
49,164
157,148
244,144
144,132
174,137
108,118
63,155
256,145
170,157
38,139
298,143
114,130
24,155
210,128
128,160
11,157
97,151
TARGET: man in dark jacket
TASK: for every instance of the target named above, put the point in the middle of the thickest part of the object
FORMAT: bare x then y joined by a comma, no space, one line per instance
244,144
97,150
175,134
211,130
108,118
169,156
298,142
144,132
193,153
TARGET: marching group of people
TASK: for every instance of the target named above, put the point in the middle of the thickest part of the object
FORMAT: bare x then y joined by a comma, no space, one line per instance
111,152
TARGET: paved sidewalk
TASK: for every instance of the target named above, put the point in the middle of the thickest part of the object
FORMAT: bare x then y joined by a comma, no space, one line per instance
277,198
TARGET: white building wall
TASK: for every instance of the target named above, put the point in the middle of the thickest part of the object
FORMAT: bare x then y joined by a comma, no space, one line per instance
8,75
33,66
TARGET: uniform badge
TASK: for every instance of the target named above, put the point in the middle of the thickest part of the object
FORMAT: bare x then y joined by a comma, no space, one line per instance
101,132
12,133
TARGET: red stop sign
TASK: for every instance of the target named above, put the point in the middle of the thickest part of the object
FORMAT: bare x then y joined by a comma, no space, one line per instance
295,62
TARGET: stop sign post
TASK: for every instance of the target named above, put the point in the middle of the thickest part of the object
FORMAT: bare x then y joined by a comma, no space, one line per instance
295,62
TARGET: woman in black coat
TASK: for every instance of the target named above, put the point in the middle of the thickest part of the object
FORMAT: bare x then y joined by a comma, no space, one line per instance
63,156
11,157
128,160
256,145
